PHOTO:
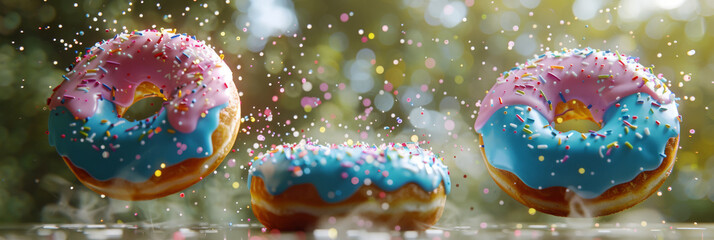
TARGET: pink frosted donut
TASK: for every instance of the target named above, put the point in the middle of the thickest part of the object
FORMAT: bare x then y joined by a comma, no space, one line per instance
571,173
164,153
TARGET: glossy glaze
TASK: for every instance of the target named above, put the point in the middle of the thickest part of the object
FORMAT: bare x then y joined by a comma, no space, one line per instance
337,171
588,163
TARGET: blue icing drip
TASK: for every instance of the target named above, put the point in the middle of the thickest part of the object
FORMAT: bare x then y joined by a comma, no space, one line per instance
127,156
515,153
338,171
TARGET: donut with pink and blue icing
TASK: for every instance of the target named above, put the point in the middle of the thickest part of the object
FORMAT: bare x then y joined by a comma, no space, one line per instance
571,173
168,151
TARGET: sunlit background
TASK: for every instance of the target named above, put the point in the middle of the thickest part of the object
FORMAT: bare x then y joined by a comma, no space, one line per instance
349,72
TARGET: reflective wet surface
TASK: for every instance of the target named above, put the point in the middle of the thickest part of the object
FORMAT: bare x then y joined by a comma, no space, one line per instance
255,231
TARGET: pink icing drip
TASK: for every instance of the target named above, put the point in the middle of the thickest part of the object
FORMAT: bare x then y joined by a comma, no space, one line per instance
580,87
146,59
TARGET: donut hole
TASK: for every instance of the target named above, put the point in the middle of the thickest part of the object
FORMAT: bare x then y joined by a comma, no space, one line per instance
144,108
148,100
578,125
574,115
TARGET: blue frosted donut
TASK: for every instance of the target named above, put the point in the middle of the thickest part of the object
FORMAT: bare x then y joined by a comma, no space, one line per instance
572,173
164,153
293,186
